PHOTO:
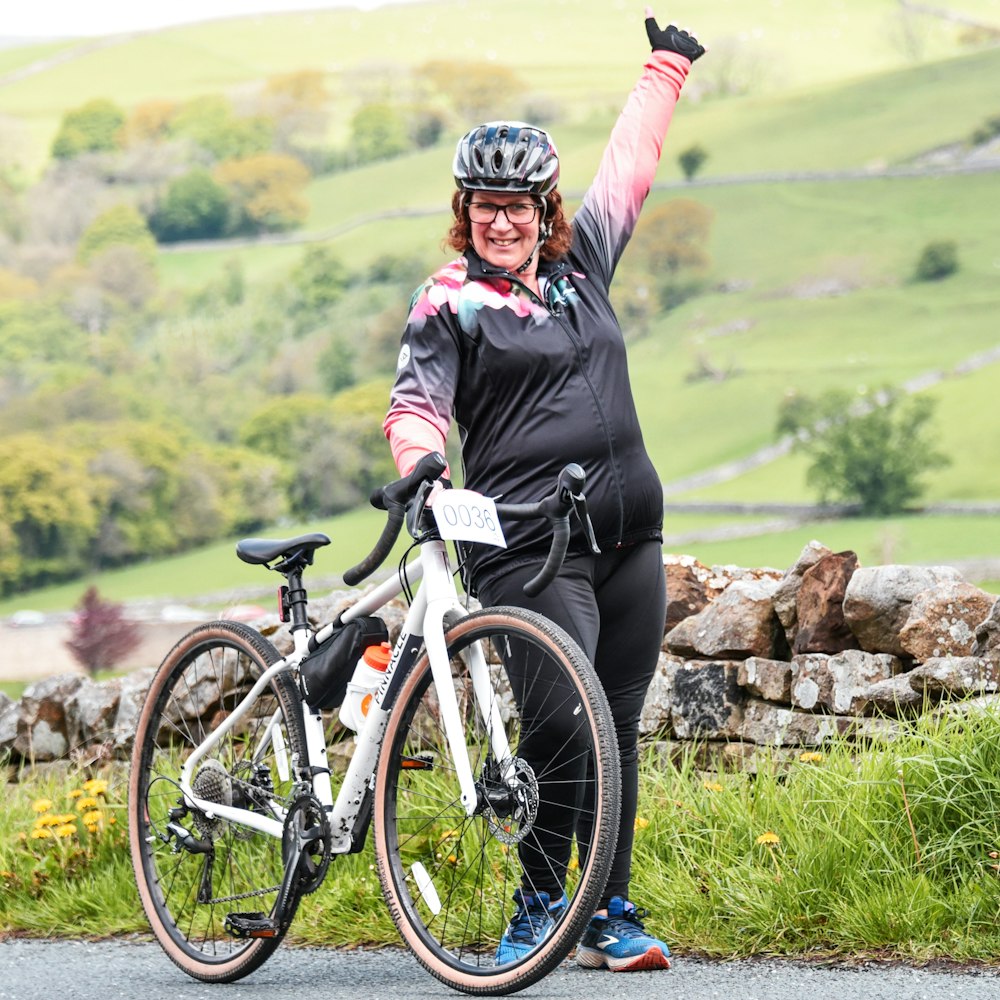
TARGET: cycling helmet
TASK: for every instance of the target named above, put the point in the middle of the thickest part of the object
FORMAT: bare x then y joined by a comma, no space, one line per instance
506,156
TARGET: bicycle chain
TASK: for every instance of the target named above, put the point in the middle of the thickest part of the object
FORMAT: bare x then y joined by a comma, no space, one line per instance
244,895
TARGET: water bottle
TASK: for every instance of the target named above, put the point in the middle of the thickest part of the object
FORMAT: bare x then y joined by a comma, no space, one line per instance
368,675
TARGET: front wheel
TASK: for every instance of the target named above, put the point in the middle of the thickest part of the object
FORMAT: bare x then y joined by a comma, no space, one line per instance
546,818
194,871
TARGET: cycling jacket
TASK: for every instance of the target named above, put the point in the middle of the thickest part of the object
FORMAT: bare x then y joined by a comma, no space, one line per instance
535,383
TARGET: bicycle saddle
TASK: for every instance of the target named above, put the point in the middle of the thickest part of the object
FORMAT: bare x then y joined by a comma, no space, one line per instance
260,551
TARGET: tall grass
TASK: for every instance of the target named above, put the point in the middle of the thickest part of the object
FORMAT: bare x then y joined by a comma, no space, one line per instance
889,849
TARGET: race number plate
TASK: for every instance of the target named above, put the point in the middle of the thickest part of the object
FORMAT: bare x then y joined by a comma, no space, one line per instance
468,517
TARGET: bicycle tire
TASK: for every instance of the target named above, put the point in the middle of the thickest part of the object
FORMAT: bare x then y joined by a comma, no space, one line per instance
213,665
448,878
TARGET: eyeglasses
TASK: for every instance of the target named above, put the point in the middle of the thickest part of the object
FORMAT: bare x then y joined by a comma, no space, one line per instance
518,213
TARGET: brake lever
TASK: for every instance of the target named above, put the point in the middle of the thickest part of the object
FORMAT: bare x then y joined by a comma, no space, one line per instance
580,509
417,508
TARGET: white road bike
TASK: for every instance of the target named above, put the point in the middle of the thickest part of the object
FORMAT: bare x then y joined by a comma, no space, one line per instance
235,815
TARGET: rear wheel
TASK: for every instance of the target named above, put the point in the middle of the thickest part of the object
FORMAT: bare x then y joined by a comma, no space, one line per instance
546,817
195,871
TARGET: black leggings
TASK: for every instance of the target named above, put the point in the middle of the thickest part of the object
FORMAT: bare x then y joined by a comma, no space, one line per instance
614,606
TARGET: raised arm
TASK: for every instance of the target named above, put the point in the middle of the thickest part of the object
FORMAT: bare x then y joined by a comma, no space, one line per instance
610,209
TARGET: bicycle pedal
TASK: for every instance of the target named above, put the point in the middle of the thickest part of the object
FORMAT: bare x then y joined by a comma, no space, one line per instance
251,925
417,762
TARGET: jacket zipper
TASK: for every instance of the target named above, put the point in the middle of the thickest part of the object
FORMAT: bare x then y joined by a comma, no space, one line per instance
574,340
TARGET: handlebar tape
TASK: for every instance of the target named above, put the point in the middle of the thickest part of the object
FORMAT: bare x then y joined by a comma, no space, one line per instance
378,555
554,561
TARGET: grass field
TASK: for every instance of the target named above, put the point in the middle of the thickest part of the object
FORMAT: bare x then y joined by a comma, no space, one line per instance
582,54
817,272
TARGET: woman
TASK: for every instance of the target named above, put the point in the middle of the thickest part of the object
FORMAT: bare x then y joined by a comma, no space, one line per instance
517,341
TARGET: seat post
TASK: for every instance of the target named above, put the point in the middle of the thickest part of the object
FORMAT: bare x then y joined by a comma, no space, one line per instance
297,600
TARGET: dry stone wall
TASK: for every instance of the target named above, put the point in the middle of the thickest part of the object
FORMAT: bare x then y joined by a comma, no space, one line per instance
751,658
788,659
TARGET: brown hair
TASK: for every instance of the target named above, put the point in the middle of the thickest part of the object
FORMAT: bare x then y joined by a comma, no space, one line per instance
460,235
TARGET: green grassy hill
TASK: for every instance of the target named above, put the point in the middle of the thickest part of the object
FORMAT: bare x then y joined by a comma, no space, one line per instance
809,283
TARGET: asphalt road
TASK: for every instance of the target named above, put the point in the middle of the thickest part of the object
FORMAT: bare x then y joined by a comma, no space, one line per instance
129,970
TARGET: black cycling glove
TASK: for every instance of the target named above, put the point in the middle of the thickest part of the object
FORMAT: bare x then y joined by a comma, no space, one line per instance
672,39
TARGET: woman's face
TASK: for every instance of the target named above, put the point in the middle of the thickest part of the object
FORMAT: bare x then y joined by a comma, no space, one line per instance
503,243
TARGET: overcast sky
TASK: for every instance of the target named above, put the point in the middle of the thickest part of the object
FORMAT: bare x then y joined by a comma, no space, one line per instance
63,18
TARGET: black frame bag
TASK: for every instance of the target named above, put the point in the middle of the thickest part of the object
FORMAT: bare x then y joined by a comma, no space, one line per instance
325,672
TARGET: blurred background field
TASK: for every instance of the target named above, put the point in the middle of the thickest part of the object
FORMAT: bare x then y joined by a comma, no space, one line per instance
839,144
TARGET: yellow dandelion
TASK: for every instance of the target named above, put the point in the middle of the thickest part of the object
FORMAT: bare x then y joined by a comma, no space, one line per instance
92,817
76,793
66,818
96,786
41,805
768,838
640,823
574,864
811,757
92,827
66,830
112,820
6,874
713,786
41,833
87,803
452,860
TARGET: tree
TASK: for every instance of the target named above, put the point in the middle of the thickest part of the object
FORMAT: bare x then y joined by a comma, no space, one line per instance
870,449
121,225
378,132
92,128
266,191
49,511
149,122
318,281
195,207
296,103
691,160
670,243
211,123
937,260
477,91
100,634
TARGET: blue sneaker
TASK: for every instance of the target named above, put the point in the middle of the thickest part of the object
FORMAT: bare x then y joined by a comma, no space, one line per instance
531,924
620,943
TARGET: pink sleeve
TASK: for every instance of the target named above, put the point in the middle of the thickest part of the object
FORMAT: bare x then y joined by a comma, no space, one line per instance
611,206
410,438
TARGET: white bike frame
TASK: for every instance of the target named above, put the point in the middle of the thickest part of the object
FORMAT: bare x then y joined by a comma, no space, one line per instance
434,609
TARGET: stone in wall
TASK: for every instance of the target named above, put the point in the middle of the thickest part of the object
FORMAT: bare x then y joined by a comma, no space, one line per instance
839,683
942,620
92,711
707,699
655,717
894,696
786,594
767,679
43,721
8,721
988,635
738,624
771,725
131,695
878,599
961,676
687,591
819,604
